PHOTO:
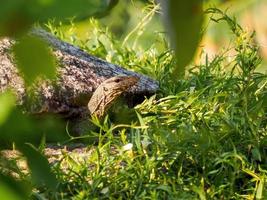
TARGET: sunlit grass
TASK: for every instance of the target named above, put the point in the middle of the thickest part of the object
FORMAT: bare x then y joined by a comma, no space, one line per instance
202,137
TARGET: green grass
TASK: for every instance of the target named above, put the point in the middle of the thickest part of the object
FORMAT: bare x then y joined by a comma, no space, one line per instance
201,137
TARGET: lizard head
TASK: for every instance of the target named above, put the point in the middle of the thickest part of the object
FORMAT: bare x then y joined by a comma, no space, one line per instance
120,83
108,91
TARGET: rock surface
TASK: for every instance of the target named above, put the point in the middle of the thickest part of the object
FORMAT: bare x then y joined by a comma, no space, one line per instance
78,76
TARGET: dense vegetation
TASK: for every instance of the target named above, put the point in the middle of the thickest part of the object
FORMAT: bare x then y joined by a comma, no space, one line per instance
200,137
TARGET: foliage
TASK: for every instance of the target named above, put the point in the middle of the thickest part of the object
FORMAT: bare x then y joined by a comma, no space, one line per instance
184,23
17,16
202,137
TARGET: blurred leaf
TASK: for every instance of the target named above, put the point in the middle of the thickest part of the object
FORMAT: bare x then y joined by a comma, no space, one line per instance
184,21
11,189
39,166
13,17
62,9
34,58
29,129
22,131
165,188
17,16
111,4
256,154
7,102
7,193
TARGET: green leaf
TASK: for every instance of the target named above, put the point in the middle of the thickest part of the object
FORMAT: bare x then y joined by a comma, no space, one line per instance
43,10
34,58
14,19
260,189
183,21
7,193
7,102
39,167
29,129
165,188
24,129
256,154
11,189
17,16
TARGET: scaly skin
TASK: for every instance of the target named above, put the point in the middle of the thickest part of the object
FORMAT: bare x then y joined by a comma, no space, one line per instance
107,92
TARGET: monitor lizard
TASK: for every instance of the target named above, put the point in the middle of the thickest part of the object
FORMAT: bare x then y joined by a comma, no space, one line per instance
80,77
107,92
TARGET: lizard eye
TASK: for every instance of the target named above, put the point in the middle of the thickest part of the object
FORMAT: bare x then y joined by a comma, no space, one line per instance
105,89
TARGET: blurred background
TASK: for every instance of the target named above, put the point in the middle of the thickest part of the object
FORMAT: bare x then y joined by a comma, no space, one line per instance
143,17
